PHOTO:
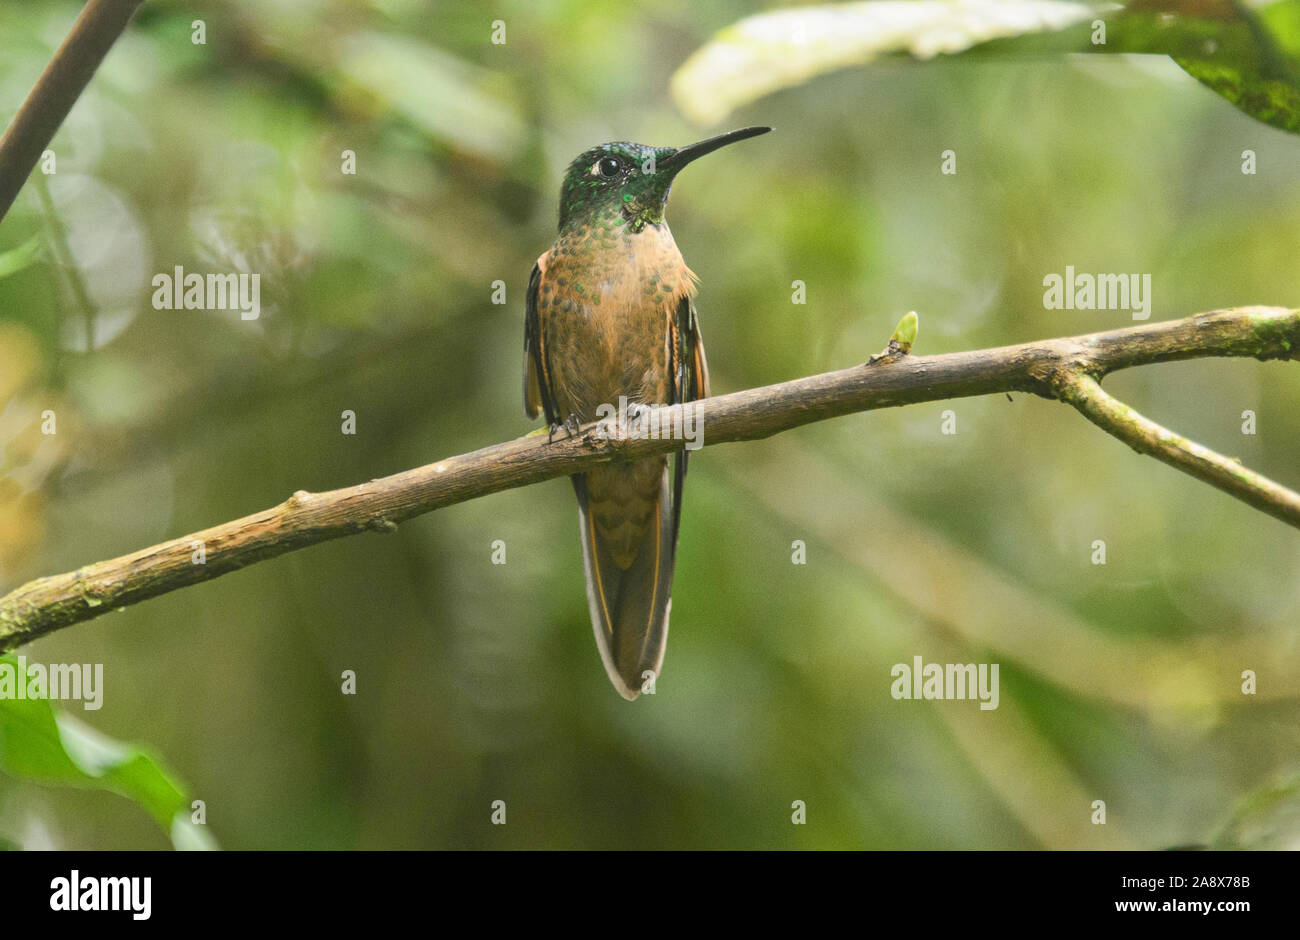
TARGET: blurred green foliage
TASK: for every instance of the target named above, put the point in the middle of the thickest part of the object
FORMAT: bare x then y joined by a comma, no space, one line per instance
58,750
478,682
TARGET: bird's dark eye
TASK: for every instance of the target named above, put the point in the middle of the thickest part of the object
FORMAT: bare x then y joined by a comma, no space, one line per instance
607,168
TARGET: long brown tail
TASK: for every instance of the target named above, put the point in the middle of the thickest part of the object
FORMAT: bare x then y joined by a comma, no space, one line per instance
629,586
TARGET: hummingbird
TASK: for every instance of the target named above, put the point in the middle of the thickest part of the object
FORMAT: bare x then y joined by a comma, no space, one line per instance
610,318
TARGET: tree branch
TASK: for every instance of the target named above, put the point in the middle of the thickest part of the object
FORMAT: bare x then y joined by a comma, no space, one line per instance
1067,369
1146,437
57,90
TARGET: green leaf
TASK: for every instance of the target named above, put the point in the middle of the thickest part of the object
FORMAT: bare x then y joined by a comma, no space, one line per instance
60,750
1273,102
1247,53
1281,21
1250,58
765,53
905,332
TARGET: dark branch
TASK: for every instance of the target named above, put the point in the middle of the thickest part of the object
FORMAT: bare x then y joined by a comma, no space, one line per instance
57,90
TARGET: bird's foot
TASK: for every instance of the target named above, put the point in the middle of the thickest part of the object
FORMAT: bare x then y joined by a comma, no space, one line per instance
569,425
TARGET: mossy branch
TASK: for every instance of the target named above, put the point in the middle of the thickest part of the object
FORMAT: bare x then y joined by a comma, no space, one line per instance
1067,369
1146,437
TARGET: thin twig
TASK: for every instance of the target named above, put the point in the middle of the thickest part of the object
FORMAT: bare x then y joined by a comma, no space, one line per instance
65,261
1066,369
1146,437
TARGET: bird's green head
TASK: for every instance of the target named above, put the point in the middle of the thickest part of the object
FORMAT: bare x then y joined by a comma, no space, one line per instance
627,184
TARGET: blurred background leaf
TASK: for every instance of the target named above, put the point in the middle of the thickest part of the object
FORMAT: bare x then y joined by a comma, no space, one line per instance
774,50
1247,52
58,750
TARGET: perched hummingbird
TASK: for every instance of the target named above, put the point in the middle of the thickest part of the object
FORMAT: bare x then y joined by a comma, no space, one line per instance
610,313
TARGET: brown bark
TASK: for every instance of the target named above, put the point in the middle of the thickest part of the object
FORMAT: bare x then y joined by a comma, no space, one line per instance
1067,369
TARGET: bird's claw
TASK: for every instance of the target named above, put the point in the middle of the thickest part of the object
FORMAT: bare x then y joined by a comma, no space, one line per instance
569,425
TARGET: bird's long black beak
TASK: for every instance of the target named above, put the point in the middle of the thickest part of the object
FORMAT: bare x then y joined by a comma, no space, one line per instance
684,155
